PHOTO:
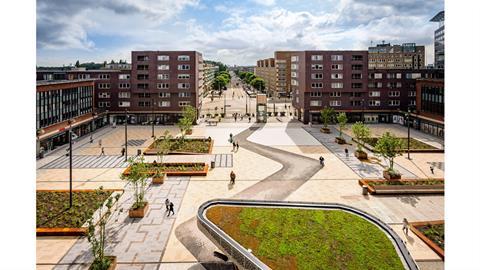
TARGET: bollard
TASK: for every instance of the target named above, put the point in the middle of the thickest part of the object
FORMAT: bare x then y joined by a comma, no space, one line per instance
212,164
364,190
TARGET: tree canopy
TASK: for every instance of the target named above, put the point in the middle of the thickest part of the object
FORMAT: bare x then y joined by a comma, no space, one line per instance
389,147
360,132
258,83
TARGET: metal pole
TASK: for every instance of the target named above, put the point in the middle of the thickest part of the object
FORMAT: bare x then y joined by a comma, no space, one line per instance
408,141
126,141
153,122
70,157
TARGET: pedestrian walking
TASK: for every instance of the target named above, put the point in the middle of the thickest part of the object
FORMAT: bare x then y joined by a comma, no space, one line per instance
103,152
167,205
170,209
230,140
431,169
100,143
405,226
123,151
249,119
234,145
91,139
235,117
238,146
232,178
321,159
346,152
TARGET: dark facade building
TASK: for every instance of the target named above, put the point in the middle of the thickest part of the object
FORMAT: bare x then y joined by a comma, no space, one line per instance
57,102
439,40
430,108
336,79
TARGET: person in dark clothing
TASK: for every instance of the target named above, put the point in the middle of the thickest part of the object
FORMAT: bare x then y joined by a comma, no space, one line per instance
238,146
431,169
321,161
103,152
167,205
232,178
249,119
170,209
123,151
346,152
234,145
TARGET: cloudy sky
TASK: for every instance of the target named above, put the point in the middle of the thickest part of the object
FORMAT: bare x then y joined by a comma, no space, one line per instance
234,32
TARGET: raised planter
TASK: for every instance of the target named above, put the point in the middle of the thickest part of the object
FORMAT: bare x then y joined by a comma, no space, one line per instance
151,150
139,212
325,130
113,263
414,227
172,172
340,140
389,176
361,154
158,180
404,186
189,132
412,150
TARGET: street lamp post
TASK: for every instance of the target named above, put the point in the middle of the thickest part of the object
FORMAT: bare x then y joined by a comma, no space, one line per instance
408,131
363,111
153,119
126,140
70,121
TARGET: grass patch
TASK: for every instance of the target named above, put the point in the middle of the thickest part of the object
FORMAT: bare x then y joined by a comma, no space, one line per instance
428,182
53,208
435,232
414,144
188,145
307,239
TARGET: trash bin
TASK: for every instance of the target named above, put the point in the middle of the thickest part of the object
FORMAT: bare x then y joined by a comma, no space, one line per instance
364,190
139,152
212,164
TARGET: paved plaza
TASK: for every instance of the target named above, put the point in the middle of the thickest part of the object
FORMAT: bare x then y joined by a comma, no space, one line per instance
275,161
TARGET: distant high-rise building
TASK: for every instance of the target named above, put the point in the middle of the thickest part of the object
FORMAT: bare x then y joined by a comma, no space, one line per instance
405,56
439,39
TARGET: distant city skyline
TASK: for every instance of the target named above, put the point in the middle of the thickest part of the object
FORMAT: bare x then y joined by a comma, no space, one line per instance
226,31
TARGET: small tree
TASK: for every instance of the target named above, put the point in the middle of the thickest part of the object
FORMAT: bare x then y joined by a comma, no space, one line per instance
98,237
389,147
342,121
360,132
327,114
185,123
137,177
163,147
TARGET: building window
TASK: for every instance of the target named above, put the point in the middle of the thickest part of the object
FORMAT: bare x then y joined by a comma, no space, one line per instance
124,85
378,85
377,75
413,75
294,82
412,102
357,57
337,67
399,75
357,85
335,57
103,95
142,58
293,74
315,94
317,67
104,76
144,104
317,57
337,76
163,67
394,103
412,93
374,93
183,86
123,94
164,94
123,76
337,85
335,94
335,103
183,67
317,85
294,66
144,95
104,104
398,85
82,76
394,93
183,76
355,103
141,77
357,67
184,94
183,103
356,75
164,103
142,86
374,103
317,76
163,76
294,58
183,58
124,104
315,103
163,85
103,86
163,58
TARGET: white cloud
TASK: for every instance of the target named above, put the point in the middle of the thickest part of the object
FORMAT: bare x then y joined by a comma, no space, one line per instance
264,2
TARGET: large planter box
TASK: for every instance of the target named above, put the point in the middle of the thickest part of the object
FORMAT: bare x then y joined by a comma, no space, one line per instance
170,172
153,151
413,227
387,175
113,263
139,212
361,154
325,130
340,140
158,180
402,189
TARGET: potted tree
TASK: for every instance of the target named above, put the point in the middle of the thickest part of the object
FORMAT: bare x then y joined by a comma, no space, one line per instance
342,121
97,235
163,147
326,115
137,177
389,147
360,132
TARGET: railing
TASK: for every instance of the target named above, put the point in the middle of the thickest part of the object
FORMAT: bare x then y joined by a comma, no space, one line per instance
249,261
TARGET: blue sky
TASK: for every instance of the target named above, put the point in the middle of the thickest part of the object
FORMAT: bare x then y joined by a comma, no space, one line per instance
234,32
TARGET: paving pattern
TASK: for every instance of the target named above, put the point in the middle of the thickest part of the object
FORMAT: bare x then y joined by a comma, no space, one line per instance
135,142
87,161
438,165
363,169
135,240
223,160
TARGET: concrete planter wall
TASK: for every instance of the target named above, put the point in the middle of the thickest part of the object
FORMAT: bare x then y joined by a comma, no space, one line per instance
402,189
139,212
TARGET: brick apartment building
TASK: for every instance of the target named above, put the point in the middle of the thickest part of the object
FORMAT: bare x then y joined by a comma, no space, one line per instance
265,69
283,72
405,56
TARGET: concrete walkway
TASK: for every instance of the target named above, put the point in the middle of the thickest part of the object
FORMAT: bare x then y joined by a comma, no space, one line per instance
295,172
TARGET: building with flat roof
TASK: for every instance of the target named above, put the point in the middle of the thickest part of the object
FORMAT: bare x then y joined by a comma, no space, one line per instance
430,107
265,69
405,56
439,39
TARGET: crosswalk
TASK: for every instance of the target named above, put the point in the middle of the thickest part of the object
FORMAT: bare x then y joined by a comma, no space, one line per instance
223,160
135,142
87,161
